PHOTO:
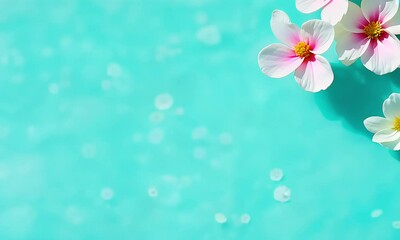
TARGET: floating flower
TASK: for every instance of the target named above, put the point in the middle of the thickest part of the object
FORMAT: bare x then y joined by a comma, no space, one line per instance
387,130
332,10
368,32
301,52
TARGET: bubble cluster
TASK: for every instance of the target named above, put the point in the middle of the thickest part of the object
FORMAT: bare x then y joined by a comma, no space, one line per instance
282,194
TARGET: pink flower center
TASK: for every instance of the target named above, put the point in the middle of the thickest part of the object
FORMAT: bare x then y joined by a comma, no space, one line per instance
303,50
396,124
373,30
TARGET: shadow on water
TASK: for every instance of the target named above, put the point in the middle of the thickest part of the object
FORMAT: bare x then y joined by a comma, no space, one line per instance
356,94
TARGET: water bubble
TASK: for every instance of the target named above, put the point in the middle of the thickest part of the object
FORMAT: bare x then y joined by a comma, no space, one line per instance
199,133
245,218
209,35
199,153
107,193
156,117
53,88
152,192
376,213
156,136
282,194
225,138
276,174
220,218
396,224
114,70
164,101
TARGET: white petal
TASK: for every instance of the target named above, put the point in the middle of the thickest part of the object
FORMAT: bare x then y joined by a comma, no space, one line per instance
309,6
354,21
314,75
393,25
379,10
383,55
395,145
283,29
376,124
278,60
391,106
319,35
334,11
351,46
386,135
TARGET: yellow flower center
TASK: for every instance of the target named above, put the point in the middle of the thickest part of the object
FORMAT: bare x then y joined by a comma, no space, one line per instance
373,30
396,124
302,50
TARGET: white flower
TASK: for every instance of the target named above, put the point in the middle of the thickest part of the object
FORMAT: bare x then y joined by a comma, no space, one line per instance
387,130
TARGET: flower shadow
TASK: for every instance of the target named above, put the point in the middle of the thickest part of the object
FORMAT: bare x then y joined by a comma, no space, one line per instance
356,94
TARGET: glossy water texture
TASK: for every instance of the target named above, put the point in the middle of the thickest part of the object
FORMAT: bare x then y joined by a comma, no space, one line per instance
150,120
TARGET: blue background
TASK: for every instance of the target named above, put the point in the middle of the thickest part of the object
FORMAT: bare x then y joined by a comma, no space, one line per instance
83,144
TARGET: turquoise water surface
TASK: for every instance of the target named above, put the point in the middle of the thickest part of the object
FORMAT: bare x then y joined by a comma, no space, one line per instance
150,120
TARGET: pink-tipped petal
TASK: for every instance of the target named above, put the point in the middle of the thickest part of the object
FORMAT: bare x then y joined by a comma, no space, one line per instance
318,34
354,20
351,46
391,106
393,25
376,124
386,135
278,60
283,29
309,6
383,55
314,75
379,10
334,11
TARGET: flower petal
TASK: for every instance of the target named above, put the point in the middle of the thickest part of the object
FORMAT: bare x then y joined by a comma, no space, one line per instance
379,10
354,20
314,75
386,135
278,60
393,25
382,56
376,124
391,106
309,6
283,29
350,46
318,34
334,11
395,145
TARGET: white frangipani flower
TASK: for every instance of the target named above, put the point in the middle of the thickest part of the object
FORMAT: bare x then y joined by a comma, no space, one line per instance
387,129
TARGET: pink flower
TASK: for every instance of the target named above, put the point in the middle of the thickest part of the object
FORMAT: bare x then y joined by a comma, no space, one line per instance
300,54
368,32
332,10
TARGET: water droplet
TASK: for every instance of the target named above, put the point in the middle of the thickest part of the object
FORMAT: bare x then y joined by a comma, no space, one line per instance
107,193
376,213
276,174
282,194
220,218
164,101
245,218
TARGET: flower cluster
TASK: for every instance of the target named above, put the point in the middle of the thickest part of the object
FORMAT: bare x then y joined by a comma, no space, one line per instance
366,32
